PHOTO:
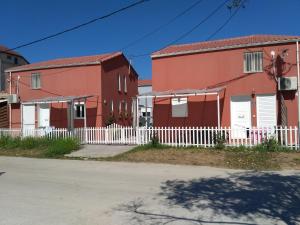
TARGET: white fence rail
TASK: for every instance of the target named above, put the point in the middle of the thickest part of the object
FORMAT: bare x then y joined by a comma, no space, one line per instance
173,136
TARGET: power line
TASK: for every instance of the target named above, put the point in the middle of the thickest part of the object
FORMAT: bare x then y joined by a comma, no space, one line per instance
189,31
227,21
162,26
78,26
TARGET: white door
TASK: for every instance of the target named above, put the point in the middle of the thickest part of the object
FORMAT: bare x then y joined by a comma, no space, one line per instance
28,115
240,114
44,115
266,111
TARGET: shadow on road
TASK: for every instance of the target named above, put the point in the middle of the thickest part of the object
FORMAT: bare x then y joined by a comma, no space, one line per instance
244,194
1,173
242,197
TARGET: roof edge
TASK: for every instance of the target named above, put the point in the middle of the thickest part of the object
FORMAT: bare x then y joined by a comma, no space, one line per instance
222,48
98,62
51,66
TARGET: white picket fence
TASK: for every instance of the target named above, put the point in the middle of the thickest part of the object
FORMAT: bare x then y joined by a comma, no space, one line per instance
173,136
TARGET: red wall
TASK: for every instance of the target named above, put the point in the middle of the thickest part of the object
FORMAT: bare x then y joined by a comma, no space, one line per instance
110,71
74,81
219,68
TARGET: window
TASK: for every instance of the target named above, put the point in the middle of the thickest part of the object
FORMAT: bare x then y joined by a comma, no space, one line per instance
35,81
79,110
125,107
148,114
179,107
8,57
16,60
253,62
119,82
112,106
120,107
125,84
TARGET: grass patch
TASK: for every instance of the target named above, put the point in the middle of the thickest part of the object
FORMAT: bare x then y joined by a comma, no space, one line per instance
251,160
262,157
60,147
37,146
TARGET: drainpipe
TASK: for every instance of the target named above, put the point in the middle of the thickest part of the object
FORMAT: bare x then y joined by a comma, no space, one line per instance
298,92
9,108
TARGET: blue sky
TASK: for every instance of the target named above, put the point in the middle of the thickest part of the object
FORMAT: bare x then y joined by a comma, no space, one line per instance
24,21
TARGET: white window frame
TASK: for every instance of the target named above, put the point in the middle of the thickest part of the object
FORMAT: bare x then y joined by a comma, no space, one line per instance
35,80
112,106
176,101
119,83
125,84
82,110
253,62
125,107
120,107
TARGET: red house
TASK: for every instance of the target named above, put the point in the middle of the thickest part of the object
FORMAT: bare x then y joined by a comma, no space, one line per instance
253,78
91,90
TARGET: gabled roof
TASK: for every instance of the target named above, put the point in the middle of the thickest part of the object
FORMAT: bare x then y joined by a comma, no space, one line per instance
66,62
230,43
144,83
6,50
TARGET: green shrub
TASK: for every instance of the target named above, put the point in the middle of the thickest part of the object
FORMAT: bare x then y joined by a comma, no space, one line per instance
154,141
219,140
270,145
13,143
29,143
60,147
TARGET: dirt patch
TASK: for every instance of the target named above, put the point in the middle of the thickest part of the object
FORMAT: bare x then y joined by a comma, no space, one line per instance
34,153
216,158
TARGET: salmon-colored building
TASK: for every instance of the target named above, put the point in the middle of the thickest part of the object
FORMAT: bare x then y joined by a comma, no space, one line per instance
254,76
100,88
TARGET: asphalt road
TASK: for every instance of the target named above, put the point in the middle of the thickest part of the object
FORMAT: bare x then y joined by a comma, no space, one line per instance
70,192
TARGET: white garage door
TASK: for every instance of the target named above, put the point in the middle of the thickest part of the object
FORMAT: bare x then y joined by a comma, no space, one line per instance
240,114
266,111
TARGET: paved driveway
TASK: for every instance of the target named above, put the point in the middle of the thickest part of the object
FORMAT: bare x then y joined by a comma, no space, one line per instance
98,151
70,192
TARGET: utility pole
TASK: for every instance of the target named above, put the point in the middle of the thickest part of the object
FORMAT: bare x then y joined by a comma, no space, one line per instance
298,91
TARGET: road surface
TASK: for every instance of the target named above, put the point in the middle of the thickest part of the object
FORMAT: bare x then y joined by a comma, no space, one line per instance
73,192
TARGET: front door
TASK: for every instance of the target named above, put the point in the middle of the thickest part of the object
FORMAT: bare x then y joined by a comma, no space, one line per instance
28,116
44,115
240,113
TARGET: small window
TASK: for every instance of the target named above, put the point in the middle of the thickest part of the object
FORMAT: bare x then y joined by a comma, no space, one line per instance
112,106
120,107
132,106
119,82
8,57
79,110
179,107
125,107
125,84
16,60
35,81
253,62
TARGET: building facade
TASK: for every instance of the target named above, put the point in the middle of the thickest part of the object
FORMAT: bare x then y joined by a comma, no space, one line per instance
8,59
145,105
249,71
42,89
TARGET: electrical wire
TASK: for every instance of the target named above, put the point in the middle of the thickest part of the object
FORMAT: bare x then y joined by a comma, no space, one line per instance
77,26
226,22
189,31
162,26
